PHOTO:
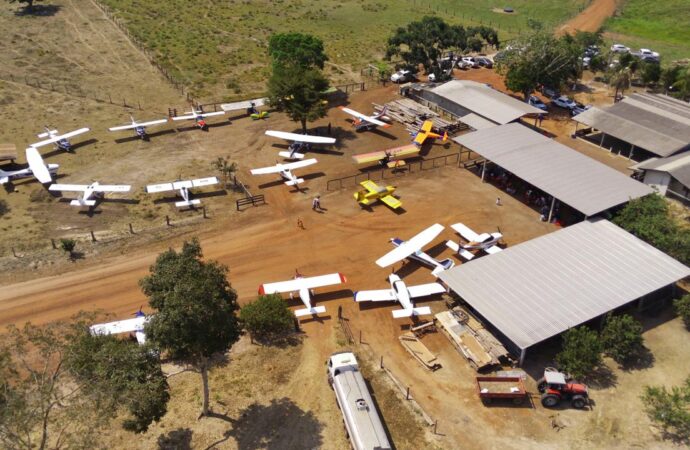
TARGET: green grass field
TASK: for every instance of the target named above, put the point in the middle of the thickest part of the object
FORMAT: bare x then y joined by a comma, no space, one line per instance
662,25
219,47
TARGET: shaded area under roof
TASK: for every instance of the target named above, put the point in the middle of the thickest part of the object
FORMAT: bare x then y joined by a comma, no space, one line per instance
543,287
656,123
484,101
573,178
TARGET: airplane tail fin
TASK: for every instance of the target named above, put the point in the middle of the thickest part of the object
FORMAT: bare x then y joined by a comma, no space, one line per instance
4,177
182,204
295,182
445,136
453,246
289,155
465,254
83,203
444,265
310,311
401,313
422,311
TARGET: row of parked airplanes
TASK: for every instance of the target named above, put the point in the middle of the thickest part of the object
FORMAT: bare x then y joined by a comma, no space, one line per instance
399,291
300,143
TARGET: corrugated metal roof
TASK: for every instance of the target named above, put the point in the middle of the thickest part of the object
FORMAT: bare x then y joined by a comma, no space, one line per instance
678,166
477,122
543,287
573,178
485,101
656,123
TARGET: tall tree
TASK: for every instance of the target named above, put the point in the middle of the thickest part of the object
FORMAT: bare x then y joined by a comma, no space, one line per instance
424,42
539,59
196,308
682,83
296,49
299,92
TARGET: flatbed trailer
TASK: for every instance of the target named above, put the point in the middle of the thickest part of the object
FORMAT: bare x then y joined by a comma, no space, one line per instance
492,388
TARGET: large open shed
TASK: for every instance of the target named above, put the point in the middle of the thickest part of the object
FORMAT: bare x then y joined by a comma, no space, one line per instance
571,177
540,288
655,123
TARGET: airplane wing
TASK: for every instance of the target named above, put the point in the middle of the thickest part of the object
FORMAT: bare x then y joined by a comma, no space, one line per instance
142,124
381,295
397,152
420,138
211,114
265,170
37,165
68,187
369,186
185,117
163,187
62,136
152,123
426,126
298,164
112,188
363,117
464,231
200,182
391,201
493,249
363,158
302,283
121,326
300,137
123,127
408,247
422,290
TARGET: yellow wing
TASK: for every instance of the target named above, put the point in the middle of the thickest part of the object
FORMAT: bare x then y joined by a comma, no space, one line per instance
426,126
420,138
370,186
391,201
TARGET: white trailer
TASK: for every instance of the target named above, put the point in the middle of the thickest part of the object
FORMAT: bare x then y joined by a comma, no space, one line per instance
362,421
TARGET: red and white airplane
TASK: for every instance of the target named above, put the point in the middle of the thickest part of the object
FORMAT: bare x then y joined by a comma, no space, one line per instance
183,186
403,294
363,122
124,326
285,171
61,141
485,242
198,116
89,191
304,287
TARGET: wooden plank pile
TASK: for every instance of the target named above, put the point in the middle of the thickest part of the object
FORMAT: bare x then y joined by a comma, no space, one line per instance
412,115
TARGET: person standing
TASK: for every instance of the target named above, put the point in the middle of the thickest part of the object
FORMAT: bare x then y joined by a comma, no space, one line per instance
316,203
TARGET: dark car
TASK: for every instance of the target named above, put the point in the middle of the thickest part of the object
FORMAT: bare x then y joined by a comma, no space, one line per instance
550,92
579,108
537,103
483,61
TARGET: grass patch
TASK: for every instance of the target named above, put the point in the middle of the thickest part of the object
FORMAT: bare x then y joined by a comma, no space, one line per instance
219,48
662,25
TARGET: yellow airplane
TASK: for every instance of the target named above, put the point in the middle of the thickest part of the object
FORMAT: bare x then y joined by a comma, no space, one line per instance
425,132
374,192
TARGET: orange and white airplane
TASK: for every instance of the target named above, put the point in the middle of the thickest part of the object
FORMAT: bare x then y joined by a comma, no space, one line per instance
393,157
425,133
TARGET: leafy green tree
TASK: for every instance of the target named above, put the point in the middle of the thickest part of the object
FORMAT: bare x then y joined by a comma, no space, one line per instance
682,307
669,76
267,318
225,168
120,372
682,84
649,219
586,39
195,317
621,337
670,410
650,73
296,49
299,92
581,352
539,59
68,246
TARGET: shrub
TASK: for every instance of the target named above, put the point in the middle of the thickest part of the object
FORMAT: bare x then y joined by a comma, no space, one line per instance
267,318
68,246
670,410
621,337
581,352
682,306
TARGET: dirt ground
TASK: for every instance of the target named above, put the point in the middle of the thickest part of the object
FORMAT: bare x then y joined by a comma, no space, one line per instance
592,18
286,402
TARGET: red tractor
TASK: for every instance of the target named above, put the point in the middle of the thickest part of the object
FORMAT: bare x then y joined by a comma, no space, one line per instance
555,388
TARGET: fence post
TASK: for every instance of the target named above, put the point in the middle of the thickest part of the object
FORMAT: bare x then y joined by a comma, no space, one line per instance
14,253
131,230
381,363
407,395
93,237
435,425
360,336
203,209
167,220
52,242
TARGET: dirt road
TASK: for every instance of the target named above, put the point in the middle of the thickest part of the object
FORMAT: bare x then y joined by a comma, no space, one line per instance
592,18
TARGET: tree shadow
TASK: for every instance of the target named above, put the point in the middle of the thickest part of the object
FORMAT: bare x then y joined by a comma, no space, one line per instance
38,10
177,439
643,359
281,341
276,426
602,378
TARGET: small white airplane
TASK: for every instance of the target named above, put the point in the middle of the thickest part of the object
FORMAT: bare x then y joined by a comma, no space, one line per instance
402,293
124,326
60,140
89,191
37,168
139,127
183,186
285,171
304,286
413,249
485,242
363,122
198,116
300,143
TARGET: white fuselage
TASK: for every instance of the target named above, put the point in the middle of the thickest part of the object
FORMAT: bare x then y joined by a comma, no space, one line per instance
491,240
24,173
400,291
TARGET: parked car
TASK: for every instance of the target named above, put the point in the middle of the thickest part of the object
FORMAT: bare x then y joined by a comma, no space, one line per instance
537,103
592,50
401,76
550,92
648,52
464,65
470,60
483,61
586,61
579,108
564,102
619,48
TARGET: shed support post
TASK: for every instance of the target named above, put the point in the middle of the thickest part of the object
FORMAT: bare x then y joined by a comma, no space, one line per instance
601,142
483,170
523,352
632,150
553,203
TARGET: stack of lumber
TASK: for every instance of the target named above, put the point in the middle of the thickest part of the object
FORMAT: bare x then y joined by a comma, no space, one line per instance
8,152
419,351
412,115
